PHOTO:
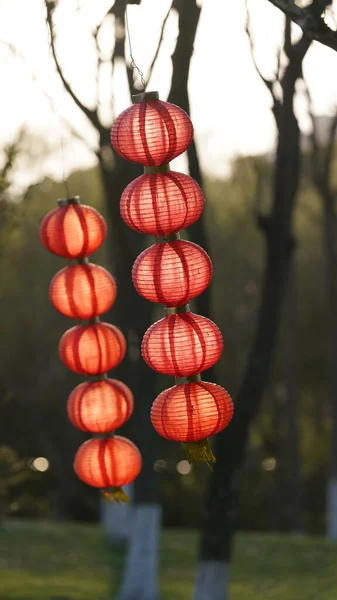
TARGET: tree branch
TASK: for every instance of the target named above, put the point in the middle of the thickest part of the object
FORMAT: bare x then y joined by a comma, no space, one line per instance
15,52
99,61
269,83
321,154
154,60
118,10
287,37
310,20
92,115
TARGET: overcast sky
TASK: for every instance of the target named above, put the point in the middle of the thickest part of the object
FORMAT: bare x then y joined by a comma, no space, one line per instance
230,106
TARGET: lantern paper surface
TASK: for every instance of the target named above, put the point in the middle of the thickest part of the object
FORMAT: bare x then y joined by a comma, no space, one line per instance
73,231
182,345
161,204
111,462
100,406
191,412
83,291
172,273
92,349
152,133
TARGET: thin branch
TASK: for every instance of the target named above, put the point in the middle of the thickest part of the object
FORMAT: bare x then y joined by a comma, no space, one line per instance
287,37
331,143
99,61
269,83
154,60
310,20
278,64
51,102
119,11
91,114
314,135
321,154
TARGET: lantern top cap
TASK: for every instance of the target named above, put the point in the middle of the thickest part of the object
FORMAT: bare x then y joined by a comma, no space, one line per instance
144,96
67,201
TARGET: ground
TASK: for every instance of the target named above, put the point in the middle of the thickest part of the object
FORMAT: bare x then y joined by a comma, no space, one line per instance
46,561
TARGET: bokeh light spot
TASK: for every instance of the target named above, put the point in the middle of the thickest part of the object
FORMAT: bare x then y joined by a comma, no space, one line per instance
41,464
184,467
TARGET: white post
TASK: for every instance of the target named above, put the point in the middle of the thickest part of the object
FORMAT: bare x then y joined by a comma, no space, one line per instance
140,580
117,519
331,530
212,580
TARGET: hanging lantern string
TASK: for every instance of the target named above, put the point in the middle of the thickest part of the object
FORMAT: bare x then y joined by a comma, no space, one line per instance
63,160
64,174
133,64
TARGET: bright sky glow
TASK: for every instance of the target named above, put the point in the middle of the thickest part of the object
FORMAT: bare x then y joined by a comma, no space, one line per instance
230,105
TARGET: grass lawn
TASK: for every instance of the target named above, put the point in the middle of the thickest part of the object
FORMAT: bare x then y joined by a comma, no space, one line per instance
45,561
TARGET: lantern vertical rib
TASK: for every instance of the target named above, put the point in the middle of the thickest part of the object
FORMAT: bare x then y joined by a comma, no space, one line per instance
172,272
100,405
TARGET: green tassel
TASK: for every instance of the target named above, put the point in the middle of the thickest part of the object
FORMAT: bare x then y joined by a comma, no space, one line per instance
112,495
199,452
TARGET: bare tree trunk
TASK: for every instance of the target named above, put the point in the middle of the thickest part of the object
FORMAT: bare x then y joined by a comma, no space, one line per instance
322,155
275,475
230,446
291,403
329,240
330,231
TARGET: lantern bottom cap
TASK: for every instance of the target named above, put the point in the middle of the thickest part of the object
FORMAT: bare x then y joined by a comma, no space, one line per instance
199,452
115,494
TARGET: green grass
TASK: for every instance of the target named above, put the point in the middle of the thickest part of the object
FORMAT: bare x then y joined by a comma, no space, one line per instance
45,561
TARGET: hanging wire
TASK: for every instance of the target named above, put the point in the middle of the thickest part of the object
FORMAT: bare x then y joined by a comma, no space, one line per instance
133,64
64,173
64,177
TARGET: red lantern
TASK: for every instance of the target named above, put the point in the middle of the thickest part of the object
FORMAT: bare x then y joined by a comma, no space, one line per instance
100,406
161,203
191,412
152,133
108,463
172,273
83,291
73,231
182,345
92,349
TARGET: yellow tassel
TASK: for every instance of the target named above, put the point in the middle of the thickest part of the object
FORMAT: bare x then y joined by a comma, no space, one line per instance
115,495
199,452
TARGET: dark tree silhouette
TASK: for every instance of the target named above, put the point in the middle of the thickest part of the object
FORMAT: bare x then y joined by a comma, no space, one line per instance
310,19
230,445
291,393
322,153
